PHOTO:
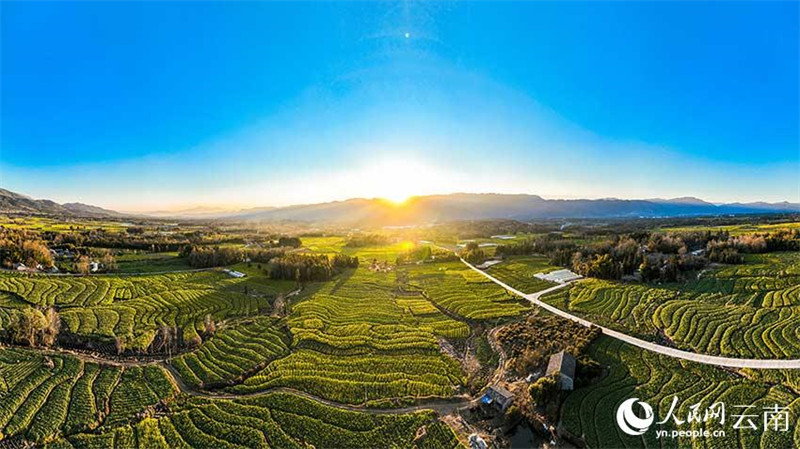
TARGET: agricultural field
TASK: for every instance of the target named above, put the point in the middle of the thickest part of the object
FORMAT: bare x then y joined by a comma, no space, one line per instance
518,272
140,262
352,361
132,308
761,296
375,342
634,373
45,396
737,229
324,245
237,349
50,224
273,420
456,288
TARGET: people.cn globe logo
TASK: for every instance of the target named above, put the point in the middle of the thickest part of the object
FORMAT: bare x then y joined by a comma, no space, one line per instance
629,422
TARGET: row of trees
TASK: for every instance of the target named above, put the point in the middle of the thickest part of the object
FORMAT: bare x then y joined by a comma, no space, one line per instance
206,256
473,253
361,240
423,253
217,256
658,256
308,267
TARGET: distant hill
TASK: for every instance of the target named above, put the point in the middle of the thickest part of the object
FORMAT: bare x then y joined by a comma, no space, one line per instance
424,209
468,206
11,202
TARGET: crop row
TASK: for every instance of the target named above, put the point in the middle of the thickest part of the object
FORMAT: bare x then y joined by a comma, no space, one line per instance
741,331
519,272
276,420
137,320
231,353
47,290
48,396
362,338
590,412
359,379
713,315
458,289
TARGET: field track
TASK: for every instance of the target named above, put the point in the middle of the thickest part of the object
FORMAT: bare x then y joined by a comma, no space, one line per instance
729,362
441,406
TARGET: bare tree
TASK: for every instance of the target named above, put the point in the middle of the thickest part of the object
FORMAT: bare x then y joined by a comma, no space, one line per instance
109,262
209,325
52,325
82,266
119,344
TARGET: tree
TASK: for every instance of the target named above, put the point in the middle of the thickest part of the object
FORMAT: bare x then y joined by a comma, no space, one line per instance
82,266
650,269
52,325
209,325
544,390
109,262
27,326
119,344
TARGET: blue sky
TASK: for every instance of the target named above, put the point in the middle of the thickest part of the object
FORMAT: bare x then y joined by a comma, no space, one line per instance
156,105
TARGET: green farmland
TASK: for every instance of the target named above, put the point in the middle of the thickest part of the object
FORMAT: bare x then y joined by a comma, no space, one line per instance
589,411
762,296
382,353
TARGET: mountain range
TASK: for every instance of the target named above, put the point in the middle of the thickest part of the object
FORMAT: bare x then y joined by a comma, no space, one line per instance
18,203
426,209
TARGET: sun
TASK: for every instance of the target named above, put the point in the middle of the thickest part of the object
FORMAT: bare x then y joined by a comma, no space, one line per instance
397,199
397,179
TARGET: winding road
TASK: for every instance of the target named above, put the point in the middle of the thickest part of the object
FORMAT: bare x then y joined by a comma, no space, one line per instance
728,362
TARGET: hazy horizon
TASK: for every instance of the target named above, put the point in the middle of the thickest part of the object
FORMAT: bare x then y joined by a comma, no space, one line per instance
134,108
200,208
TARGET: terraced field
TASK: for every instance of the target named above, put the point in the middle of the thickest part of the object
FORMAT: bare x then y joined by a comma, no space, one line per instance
518,273
40,402
746,311
655,379
233,352
456,288
43,290
274,420
132,308
374,342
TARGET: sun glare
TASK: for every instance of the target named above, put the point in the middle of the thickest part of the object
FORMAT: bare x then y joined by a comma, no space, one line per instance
398,199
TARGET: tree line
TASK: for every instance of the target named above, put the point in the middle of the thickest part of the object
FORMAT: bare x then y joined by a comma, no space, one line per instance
309,267
657,256
22,246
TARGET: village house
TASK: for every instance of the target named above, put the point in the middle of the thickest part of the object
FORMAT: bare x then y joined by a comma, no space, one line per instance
562,364
497,397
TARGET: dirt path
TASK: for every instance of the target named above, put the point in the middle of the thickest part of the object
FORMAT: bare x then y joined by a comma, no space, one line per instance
439,405
442,406
500,371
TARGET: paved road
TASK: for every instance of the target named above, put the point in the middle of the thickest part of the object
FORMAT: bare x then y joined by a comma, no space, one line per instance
728,362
